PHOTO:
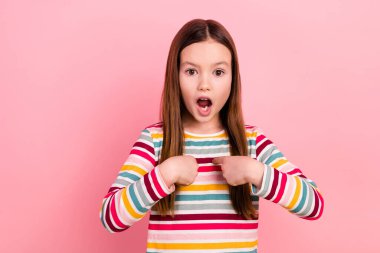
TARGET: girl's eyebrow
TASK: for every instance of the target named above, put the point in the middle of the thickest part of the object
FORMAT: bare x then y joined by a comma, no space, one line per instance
217,63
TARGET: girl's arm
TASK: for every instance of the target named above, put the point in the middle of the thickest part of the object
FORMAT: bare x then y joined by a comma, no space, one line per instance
138,186
284,183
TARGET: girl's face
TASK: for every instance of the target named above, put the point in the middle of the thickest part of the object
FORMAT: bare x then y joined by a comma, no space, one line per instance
205,71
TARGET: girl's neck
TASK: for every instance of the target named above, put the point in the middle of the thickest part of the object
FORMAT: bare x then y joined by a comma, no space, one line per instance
191,125
204,128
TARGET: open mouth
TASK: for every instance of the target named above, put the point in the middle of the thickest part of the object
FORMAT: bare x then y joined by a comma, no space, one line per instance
204,103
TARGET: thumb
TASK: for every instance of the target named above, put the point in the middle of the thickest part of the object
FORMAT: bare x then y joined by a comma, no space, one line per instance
218,160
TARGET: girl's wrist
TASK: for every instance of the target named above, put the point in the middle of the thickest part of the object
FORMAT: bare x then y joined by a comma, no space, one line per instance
167,174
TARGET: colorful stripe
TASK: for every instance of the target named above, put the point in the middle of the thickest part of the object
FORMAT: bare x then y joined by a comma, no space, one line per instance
205,220
284,183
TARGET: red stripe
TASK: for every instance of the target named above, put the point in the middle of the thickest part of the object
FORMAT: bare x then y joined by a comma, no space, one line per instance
114,188
204,160
317,198
202,226
108,219
206,216
143,154
320,212
114,213
148,186
209,168
294,171
259,137
282,187
145,146
274,184
316,206
262,145
153,125
157,185
322,205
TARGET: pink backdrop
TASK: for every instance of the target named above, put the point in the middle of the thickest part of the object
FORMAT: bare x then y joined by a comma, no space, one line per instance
74,78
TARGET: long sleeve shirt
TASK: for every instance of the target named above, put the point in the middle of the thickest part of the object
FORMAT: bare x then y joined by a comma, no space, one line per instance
205,220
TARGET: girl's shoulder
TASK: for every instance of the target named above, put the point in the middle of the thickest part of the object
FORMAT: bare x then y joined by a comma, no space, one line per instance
252,130
157,125
154,129
249,127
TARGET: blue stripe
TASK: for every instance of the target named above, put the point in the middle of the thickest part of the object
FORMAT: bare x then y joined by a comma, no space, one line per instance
201,143
135,200
129,175
206,143
187,197
302,202
274,157
202,197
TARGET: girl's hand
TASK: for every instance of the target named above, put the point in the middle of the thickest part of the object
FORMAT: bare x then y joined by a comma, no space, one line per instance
181,170
239,170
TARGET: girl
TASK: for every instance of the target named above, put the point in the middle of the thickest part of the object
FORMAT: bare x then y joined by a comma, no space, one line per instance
200,171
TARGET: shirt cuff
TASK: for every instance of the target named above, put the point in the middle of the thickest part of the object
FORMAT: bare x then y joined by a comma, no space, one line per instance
266,183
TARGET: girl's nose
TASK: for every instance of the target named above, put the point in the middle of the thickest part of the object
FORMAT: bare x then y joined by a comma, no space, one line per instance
204,84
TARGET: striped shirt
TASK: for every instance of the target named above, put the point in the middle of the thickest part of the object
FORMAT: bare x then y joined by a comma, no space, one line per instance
205,220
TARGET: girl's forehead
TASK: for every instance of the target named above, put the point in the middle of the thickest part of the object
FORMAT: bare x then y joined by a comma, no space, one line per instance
205,53
205,47
219,63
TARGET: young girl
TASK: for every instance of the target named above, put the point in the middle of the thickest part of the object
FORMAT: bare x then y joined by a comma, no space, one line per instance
200,171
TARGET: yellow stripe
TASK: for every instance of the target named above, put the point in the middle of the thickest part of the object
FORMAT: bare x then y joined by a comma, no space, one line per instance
279,163
197,137
160,135
133,168
213,245
249,135
296,195
128,206
206,187
157,135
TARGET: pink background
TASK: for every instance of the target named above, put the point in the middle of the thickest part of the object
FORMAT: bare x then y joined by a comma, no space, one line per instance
74,78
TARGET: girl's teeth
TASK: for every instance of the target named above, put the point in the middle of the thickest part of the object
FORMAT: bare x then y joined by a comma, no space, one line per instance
204,108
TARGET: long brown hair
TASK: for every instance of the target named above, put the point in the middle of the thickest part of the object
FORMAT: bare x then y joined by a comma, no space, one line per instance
172,108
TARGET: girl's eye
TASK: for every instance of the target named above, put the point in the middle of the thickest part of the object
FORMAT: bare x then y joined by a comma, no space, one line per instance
191,71
219,71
